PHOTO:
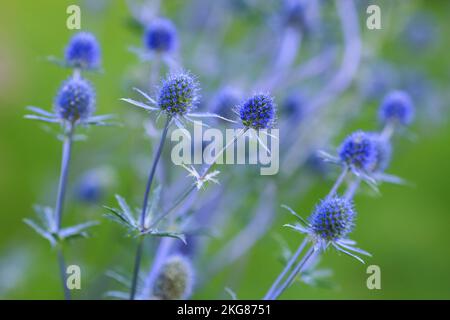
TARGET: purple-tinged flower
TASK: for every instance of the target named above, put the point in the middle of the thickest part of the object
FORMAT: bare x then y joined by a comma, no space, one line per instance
83,51
258,112
178,94
358,151
397,107
175,280
75,100
161,36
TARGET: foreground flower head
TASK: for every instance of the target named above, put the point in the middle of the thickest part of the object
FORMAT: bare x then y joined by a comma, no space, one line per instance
258,112
397,107
75,100
332,219
83,51
175,280
160,36
178,94
358,151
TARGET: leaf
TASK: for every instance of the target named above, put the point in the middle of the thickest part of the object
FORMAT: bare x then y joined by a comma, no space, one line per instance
77,230
156,194
126,211
118,295
119,278
44,233
176,235
117,216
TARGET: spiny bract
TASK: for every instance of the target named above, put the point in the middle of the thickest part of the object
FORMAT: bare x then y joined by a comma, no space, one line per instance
178,94
175,280
332,219
161,36
397,107
358,151
258,112
83,51
75,100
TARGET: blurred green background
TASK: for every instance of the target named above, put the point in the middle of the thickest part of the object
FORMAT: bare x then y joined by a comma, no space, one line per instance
406,229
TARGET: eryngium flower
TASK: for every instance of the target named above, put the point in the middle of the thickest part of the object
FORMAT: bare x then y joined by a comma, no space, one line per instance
75,100
175,280
83,51
161,36
397,107
358,151
224,101
178,94
258,112
383,153
332,219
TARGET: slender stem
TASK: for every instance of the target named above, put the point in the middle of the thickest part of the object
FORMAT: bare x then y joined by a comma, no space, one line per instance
165,244
137,263
338,182
66,153
62,272
286,269
351,190
152,173
387,131
137,260
294,273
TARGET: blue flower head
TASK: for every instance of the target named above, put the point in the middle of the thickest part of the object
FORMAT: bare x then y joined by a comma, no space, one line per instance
397,107
161,36
75,100
83,51
258,112
332,219
358,151
383,154
175,280
178,94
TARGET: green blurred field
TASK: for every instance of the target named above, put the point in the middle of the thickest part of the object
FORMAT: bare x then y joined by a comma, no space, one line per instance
406,229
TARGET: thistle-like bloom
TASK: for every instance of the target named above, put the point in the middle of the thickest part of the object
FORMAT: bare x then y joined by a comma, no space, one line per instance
329,224
178,94
177,98
358,152
397,107
161,36
83,51
258,112
175,280
75,100
225,100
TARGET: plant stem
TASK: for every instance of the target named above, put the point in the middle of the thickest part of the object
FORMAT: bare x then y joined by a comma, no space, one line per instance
294,273
137,260
338,182
66,153
62,272
152,172
286,269
137,263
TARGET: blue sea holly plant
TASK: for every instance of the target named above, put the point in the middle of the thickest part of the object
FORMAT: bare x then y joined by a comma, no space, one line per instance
73,107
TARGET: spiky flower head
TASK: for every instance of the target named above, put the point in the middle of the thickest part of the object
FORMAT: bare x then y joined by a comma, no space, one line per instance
160,36
258,112
332,219
358,151
75,100
175,280
383,154
397,107
83,51
178,94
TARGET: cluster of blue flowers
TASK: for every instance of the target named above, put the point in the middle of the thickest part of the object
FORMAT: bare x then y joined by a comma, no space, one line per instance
167,216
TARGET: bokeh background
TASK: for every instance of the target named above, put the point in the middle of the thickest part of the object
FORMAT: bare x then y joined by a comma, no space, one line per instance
406,228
